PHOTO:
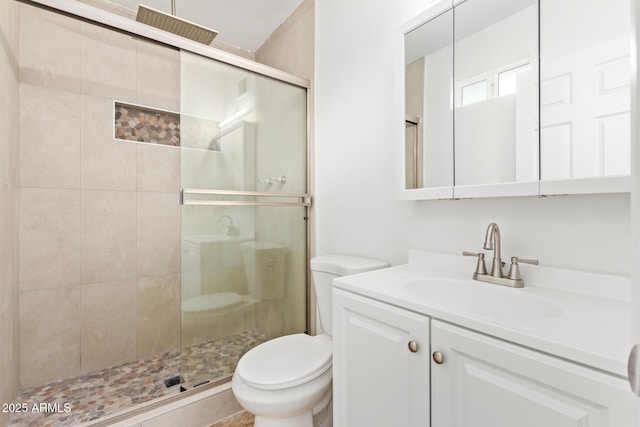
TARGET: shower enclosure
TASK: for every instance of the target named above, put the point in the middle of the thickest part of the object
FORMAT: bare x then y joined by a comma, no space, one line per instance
244,220
163,211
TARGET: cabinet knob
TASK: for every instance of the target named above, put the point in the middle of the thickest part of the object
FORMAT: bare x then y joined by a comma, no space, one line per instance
413,346
438,357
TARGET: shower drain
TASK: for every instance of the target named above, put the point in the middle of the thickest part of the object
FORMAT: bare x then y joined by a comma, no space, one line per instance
170,382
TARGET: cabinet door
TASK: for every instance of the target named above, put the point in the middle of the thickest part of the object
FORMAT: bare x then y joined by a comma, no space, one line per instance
486,382
378,381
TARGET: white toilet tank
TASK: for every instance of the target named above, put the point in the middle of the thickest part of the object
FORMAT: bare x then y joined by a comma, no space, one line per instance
324,269
264,266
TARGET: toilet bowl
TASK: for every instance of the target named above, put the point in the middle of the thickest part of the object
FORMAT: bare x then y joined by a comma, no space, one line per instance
286,380
282,380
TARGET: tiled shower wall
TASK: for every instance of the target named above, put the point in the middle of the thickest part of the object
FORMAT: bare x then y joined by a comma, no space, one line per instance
290,47
99,218
9,360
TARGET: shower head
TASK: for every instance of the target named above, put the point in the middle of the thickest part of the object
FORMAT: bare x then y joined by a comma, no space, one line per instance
175,25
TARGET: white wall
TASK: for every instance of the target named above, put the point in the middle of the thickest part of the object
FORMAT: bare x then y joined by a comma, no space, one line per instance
355,207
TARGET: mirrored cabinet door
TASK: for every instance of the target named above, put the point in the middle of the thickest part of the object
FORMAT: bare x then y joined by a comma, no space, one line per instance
495,98
517,98
428,62
585,96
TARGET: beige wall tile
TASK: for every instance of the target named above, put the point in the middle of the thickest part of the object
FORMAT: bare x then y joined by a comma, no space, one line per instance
49,238
14,233
201,413
106,163
108,236
158,76
49,335
9,24
7,103
8,126
49,138
158,168
8,300
9,99
9,356
108,63
159,244
49,49
158,300
9,361
108,311
7,242
291,46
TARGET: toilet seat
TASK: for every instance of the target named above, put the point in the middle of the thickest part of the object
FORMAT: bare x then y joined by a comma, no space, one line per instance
285,362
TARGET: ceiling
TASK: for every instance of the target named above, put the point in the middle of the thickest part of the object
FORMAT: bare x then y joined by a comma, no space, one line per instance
241,23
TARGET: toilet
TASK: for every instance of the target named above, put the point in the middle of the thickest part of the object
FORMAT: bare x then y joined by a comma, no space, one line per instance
285,381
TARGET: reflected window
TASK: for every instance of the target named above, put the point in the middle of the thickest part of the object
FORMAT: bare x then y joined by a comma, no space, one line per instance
507,80
495,83
474,92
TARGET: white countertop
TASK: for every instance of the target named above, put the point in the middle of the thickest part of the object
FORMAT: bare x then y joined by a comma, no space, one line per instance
589,322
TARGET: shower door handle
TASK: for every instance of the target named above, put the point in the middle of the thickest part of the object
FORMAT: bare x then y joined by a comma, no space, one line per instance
302,199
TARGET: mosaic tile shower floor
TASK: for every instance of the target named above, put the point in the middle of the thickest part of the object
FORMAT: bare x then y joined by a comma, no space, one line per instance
86,398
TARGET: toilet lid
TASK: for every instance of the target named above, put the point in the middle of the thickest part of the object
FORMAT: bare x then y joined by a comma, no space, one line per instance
285,362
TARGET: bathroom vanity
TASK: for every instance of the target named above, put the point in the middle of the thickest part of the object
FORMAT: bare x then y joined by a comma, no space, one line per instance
424,345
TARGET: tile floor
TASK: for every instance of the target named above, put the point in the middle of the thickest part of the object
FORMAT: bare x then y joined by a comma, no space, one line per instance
241,419
90,396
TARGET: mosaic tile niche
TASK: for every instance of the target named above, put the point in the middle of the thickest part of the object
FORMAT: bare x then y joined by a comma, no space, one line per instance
143,124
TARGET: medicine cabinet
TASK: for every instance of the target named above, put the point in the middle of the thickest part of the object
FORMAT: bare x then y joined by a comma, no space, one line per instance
516,98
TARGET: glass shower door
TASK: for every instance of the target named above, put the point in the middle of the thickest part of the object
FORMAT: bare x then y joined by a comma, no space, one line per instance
244,214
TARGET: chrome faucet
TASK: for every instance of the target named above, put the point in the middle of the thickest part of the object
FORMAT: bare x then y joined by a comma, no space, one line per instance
492,242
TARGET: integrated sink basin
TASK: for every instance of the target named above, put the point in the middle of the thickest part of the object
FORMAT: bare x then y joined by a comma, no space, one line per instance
482,300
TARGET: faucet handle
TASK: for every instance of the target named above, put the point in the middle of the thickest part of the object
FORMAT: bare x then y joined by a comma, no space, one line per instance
480,266
514,271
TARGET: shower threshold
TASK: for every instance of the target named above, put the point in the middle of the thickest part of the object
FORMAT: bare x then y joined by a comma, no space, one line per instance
93,395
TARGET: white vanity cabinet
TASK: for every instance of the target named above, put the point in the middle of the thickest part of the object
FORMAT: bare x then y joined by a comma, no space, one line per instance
380,364
486,382
476,380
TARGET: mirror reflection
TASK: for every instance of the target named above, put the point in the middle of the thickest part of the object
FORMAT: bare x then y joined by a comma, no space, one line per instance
585,94
496,91
428,113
